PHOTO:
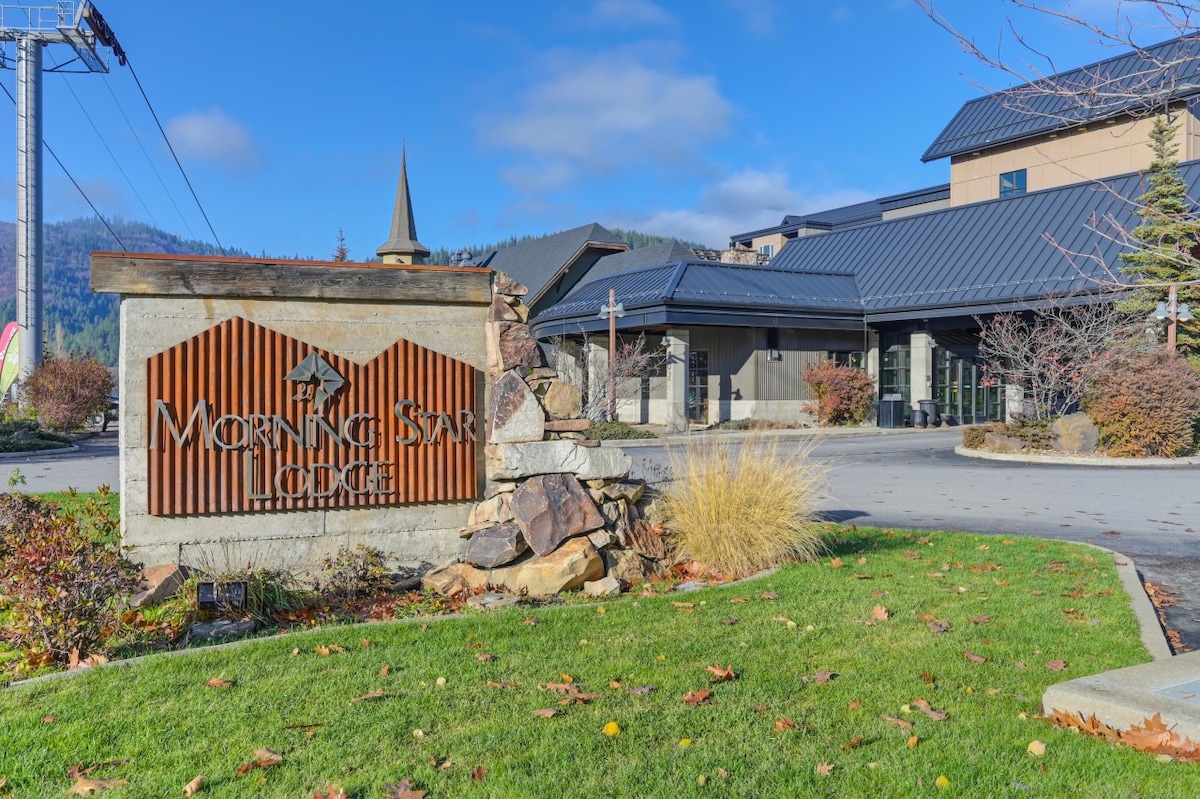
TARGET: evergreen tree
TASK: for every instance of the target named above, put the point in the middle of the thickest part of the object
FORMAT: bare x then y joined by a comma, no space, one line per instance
341,253
1169,235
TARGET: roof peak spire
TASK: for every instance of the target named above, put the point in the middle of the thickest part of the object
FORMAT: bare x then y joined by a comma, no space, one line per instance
402,246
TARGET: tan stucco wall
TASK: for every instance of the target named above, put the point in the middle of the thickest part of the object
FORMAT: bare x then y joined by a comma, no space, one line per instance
1086,153
293,539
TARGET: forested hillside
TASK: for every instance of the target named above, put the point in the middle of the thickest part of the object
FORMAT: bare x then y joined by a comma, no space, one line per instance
88,322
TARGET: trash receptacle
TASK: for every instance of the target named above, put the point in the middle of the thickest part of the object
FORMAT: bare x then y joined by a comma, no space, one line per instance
891,410
929,407
920,419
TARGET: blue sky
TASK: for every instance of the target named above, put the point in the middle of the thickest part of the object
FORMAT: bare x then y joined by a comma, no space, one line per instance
697,119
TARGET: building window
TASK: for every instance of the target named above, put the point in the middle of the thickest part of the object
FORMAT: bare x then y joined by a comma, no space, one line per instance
855,358
1012,184
767,250
773,353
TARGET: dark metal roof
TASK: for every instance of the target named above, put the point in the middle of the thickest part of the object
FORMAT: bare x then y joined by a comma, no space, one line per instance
919,197
980,257
1130,83
715,287
538,261
653,255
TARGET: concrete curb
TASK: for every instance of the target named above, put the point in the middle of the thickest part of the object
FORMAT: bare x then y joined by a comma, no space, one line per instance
1078,460
38,453
1153,637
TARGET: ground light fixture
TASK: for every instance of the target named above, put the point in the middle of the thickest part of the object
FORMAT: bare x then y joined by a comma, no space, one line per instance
1173,312
611,311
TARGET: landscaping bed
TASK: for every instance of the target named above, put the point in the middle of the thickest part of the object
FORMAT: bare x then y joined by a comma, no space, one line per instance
896,664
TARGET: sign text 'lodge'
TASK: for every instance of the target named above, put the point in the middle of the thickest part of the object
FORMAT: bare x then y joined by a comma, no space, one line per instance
243,418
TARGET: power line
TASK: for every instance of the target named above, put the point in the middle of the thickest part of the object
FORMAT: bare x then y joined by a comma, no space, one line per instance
74,182
133,72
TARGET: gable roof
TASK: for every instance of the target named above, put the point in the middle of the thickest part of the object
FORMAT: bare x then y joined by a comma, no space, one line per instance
1129,83
538,262
652,255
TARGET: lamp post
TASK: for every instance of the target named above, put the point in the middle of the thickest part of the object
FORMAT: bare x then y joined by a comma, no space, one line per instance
1174,312
611,312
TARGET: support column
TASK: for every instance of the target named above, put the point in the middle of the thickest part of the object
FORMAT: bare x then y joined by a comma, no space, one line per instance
677,380
921,368
596,357
29,202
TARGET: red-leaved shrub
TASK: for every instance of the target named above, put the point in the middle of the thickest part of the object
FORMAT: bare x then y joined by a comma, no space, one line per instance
1149,408
844,393
64,390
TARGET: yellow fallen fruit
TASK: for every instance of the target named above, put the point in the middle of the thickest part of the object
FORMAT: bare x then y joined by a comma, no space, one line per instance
942,781
612,729
685,741
1036,748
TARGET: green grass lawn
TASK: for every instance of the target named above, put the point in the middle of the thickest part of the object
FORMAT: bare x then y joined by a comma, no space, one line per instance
817,670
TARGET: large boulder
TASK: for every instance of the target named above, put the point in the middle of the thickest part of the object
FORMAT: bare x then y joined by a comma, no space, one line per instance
999,442
515,461
507,286
515,346
567,568
629,567
551,508
515,413
455,578
1075,432
495,546
562,400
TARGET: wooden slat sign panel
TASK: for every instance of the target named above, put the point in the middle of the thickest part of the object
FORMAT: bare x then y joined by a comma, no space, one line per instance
243,418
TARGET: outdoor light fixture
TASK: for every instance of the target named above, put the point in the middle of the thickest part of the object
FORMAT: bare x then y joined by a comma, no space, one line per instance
611,312
1173,312
221,595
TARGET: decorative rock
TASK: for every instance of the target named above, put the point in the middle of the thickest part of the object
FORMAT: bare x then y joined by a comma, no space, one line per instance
454,578
551,508
605,586
1075,432
491,601
652,508
567,425
628,490
501,311
646,539
514,461
562,400
515,414
496,510
628,517
495,546
221,629
1002,443
568,567
522,311
503,284
629,567
515,346
597,485
692,585
539,373
577,437
601,539
158,584
612,513
499,487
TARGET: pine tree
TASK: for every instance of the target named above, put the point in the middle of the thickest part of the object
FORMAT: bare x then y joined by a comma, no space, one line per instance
341,253
1169,235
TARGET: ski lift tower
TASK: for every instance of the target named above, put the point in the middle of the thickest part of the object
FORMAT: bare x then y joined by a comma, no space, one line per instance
80,26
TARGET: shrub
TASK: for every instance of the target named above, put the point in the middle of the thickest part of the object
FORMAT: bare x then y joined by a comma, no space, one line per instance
973,435
63,588
742,508
844,393
1034,432
355,572
1149,409
65,390
614,431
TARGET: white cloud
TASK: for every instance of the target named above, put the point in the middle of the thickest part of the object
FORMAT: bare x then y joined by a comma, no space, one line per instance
627,13
607,114
761,17
214,137
748,200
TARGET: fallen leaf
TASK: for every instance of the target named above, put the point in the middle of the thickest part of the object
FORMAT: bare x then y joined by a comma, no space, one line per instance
402,790
822,677
732,620
546,712
86,786
769,595
46,719
1056,665
385,671
336,648
853,743
321,650
853,704
722,773
981,619
369,696
971,656
824,769
194,786
913,741
926,677
612,729
879,613
530,621
836,563
486,657
1036,748
263,758
478,773
784,724
643,690
697,698
491,684
760,707
364,643
939,626
217,682
901,723
721,673
912,555
738,599
335,792
923,706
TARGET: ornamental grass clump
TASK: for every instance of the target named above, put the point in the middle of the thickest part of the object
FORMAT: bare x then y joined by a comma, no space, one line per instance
737,508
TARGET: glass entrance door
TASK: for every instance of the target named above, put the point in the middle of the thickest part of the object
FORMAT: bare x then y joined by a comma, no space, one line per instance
698,386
